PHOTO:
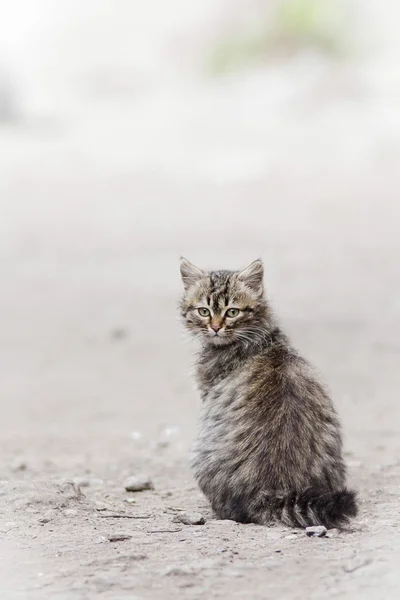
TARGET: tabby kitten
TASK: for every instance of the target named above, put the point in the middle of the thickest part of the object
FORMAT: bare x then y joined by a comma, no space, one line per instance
269,445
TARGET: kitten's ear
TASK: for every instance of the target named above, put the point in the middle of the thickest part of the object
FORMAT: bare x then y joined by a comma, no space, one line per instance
190,274
253,275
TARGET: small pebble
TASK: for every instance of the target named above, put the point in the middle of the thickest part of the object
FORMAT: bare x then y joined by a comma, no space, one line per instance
99,505
119,537
316,531
19,466
119,333
81,481
332,533
169,432
189,518
138,483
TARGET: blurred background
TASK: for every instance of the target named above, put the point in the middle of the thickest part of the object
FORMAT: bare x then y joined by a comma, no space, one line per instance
134,132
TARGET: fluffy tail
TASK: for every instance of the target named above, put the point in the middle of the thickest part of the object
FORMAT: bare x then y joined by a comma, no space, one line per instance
317,507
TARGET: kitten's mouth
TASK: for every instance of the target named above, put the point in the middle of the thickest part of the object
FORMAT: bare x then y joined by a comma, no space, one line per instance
218,339
216,334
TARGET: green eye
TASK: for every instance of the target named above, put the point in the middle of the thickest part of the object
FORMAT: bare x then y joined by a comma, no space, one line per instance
204,312
232,312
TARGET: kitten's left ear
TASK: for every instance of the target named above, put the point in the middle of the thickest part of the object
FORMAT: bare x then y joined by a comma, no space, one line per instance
190,274
252,276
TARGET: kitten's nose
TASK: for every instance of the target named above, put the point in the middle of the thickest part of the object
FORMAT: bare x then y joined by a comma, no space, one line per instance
216,328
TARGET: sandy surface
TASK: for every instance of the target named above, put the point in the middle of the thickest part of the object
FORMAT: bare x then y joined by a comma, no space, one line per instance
297,164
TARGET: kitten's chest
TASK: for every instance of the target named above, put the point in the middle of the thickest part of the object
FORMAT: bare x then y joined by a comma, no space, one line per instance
225,436
223,409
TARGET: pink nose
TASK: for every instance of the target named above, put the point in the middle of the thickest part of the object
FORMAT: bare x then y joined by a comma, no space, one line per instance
216,328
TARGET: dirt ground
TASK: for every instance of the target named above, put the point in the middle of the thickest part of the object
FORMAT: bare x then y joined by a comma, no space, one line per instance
95,385
298,164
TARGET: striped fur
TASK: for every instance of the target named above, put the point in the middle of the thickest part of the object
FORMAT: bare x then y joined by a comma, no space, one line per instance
269,444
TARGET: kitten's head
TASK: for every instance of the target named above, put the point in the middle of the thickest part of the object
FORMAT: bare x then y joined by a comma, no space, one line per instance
224,307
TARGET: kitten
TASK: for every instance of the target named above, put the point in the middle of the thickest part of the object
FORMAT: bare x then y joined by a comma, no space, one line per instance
269,445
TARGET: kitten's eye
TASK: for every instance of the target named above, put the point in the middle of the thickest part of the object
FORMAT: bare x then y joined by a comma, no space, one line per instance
232,312
204,312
